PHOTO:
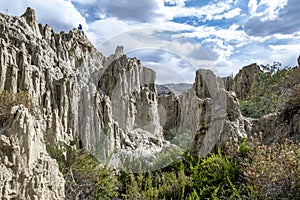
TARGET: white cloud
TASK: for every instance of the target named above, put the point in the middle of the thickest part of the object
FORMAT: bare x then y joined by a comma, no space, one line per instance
272,8
259,53
252,6
277,17
103,30
205,13
234,27
286,54
232,13
217,49
228,48
133,10
85,1
232,36
228,15
170,68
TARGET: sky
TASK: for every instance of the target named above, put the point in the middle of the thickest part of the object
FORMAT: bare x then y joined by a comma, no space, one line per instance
176,37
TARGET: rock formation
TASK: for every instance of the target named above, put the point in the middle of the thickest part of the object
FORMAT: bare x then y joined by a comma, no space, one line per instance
27,171
208,113
110,105
273,127
126,103
243,84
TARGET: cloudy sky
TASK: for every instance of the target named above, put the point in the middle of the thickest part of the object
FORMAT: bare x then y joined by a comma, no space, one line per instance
175,37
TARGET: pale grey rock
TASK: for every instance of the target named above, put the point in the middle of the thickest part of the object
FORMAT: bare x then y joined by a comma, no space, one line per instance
208,113
61,74
27,171
127,96
76,91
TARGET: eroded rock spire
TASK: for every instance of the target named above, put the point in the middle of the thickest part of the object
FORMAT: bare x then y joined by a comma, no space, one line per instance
29,16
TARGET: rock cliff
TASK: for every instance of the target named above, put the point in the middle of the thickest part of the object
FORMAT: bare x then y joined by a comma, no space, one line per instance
284,123
207,114
109,105
243,83
27,171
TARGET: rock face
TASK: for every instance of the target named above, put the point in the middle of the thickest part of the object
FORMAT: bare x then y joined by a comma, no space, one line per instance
283,124
108,103
27,171
56,71
276,126
207,112
126,104
46,66
243,84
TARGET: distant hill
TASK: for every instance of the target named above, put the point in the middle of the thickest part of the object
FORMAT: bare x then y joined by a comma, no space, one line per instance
172,88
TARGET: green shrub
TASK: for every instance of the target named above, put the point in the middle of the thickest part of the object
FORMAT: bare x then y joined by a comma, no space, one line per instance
246,170
155,185
86,177
217,176
102,182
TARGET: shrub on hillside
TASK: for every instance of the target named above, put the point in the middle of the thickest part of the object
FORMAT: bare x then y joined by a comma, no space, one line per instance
274,171
86,178
216,176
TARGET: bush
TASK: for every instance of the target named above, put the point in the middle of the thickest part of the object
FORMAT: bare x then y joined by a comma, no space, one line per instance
8,100
216,176
246,170
100,182
155,185
86,177
267,96
274,171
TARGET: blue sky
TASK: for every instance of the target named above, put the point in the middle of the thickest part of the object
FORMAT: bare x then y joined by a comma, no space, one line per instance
175,37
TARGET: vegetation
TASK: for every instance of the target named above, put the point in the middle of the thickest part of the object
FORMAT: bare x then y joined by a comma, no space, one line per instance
82,171
268,93
8,100
274,171
249,170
